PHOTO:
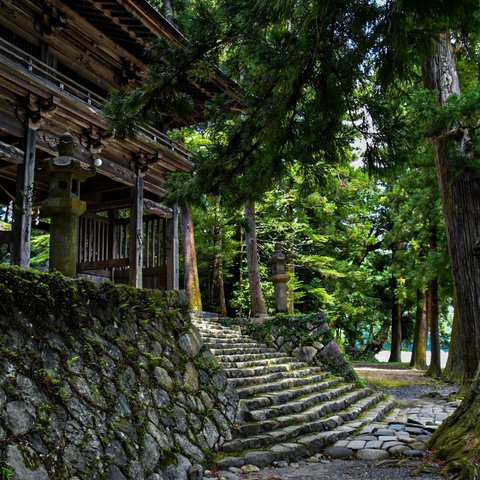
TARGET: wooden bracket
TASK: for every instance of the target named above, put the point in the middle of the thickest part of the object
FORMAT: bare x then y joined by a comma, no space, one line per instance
35,110
143,161
128,73
94,140
51,20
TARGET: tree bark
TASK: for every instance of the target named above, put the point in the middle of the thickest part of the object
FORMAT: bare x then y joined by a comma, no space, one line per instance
419,353
218,287
453,370
168,5
456,440
289,251
396,347
435,368
460,195
376,342
192,285
257,308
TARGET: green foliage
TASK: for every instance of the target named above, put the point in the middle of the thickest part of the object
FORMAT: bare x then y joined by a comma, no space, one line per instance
6,473
39,249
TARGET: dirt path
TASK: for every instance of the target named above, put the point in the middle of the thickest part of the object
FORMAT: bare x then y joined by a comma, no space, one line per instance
402,382
406,386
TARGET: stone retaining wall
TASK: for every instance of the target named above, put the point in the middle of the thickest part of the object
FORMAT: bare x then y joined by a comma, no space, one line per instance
307,337
104,383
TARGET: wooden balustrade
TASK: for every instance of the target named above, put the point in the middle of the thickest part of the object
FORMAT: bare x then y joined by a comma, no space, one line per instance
104,248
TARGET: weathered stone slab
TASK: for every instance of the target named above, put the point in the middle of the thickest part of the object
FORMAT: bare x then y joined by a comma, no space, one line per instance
372,454
20,461
356,444
339,452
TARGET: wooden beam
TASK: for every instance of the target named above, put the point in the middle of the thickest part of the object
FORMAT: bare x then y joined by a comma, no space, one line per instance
112,236
11,153
136,234
157,208
117,172
112,205
103,46
10,124
22,210
102,265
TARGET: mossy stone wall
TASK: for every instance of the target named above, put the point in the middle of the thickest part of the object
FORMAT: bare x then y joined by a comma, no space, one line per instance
104,382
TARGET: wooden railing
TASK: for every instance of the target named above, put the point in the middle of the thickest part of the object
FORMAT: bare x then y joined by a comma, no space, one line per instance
104,243
61,82
94,239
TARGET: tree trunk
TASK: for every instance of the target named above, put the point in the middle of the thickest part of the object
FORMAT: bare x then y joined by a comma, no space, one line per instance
419,353
222,303
168,10
396,347
435,368
192,285
460,195
258,308
218,287
290,254
456,440
376,342
453,370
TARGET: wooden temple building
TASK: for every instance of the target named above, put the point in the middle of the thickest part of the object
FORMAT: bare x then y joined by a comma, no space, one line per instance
58,60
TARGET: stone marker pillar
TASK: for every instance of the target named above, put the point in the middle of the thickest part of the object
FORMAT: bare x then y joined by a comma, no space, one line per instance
64,205
280,277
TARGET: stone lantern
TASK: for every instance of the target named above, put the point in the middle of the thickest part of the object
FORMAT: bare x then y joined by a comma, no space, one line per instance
280,277
64,206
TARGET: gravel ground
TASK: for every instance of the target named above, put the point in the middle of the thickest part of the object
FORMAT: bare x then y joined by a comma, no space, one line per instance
344,470
412,383
409,392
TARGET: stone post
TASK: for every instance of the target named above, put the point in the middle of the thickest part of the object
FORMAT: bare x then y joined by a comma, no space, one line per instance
280,277
64,205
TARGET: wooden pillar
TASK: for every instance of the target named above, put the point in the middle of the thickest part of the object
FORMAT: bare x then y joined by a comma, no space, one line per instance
135,264
112,239
172,251
22,212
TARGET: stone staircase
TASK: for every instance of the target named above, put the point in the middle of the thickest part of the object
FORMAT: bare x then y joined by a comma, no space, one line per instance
288,409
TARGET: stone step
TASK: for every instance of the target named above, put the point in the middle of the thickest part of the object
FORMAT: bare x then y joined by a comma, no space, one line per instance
290,409
312,414
379,411
234,350
263,369
286,451
245,357
209,326
313,436
281,384
208,333
237,344
247,381
286,395
229,341
314,419
260,362
299,405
